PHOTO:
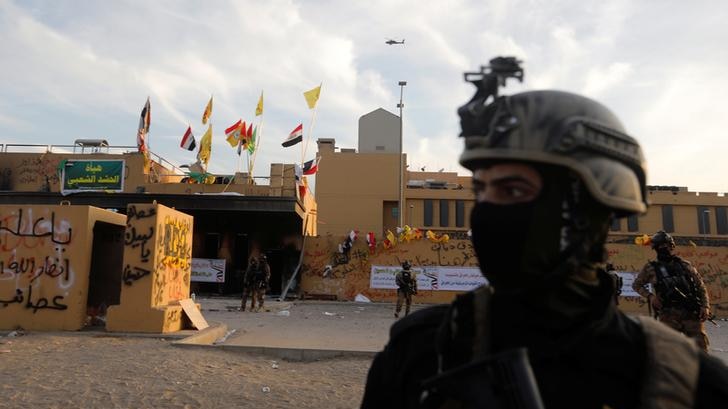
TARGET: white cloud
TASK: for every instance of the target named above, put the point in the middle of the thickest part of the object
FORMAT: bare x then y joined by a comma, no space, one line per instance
93,67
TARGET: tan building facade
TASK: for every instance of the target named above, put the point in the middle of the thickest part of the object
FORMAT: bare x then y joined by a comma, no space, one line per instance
359,191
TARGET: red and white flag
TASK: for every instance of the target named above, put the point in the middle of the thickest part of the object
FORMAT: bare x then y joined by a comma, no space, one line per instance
294,137
188,140
311,167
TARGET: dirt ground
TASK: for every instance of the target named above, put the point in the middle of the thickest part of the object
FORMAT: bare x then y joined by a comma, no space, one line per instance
77,371
96,370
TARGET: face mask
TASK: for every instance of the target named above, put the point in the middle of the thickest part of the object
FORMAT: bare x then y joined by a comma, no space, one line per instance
663,253
529,245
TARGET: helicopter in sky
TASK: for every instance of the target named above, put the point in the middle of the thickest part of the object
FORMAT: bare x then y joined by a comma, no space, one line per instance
392,42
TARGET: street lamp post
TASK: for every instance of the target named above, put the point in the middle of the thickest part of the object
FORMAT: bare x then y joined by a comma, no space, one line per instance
400,204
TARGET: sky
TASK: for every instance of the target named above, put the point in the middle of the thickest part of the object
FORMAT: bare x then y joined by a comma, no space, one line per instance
83,70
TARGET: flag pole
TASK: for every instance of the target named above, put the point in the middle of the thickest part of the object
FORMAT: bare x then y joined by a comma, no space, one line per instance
258,135
310,128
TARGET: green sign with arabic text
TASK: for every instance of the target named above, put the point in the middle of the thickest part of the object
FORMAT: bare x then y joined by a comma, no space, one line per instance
93,175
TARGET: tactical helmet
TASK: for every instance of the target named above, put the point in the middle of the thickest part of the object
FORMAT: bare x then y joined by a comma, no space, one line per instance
660,238
558,128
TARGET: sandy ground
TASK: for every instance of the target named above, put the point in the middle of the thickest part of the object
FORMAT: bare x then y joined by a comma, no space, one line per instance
92,370
76,371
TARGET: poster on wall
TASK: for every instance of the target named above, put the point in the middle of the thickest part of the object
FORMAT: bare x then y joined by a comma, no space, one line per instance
627,280
208,270
430,278
92,175
460,278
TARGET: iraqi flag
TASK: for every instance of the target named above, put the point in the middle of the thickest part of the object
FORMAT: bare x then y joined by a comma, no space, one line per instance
310,167
188,140
294,137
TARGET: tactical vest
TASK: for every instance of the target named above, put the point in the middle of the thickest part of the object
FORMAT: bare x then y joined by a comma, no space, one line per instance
674,285
671,368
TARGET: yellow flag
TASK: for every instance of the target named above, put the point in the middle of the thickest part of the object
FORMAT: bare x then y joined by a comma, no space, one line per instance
259,108
312,96
205,146
207,113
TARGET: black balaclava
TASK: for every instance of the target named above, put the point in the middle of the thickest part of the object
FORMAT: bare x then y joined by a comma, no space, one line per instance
534,246
664,252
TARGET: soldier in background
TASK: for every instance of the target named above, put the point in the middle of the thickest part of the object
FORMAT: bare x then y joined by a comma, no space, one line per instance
261,281
406,287
248,283
679,297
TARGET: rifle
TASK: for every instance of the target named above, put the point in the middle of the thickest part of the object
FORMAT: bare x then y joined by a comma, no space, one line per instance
501,381
694,305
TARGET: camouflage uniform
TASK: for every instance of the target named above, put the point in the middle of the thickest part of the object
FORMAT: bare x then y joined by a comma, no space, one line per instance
677,311
248,284
260,284
406,287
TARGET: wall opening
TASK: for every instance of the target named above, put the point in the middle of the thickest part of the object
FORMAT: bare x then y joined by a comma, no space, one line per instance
107,257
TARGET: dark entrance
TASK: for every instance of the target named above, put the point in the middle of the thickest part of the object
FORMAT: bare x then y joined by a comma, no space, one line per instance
104,287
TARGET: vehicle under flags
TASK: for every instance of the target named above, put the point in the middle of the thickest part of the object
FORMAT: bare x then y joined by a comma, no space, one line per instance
294,137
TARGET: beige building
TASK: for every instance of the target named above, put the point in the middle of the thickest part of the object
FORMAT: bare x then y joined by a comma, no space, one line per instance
360,190
236,217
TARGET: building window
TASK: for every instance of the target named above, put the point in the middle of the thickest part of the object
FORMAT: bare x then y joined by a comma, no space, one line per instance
616,224
667,220
721,220
632,225
703,220
428,213
460,213
379,148
444,213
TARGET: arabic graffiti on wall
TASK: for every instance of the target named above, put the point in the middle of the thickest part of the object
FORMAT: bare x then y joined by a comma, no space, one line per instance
37,268
174,258
327,271
37,170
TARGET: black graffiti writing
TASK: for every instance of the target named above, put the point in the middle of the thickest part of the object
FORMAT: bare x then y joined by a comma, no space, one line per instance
24,265
17,299
133,213
34,230
53,269
131,238
132,274
42,302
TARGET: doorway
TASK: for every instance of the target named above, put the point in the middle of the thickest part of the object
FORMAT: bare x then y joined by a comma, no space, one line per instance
104,281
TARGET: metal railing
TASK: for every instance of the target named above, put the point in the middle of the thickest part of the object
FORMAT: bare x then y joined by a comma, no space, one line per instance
121,149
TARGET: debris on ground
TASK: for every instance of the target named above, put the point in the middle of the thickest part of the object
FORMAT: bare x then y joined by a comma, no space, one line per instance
266,389
361,298
284,313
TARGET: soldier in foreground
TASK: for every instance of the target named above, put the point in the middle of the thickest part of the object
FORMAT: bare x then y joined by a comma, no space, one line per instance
406,288
550,171
679,298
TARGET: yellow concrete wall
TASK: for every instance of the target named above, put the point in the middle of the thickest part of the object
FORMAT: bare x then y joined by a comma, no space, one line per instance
349,278
156,273
28,171
45,258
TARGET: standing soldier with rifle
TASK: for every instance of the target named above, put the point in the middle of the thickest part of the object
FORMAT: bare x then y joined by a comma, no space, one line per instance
551,170
406,287
679,297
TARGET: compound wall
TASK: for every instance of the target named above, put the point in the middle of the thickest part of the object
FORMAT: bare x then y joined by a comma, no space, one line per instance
45,263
